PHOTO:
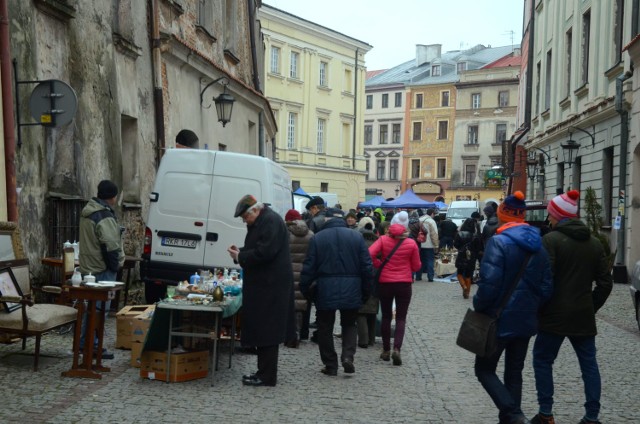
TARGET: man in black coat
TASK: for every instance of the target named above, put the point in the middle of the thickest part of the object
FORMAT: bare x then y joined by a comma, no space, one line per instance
339,264
267,286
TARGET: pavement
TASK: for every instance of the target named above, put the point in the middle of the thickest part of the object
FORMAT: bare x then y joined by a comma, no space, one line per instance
435,383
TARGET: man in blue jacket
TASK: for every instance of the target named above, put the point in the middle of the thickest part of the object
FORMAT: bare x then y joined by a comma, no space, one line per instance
339,265
515,245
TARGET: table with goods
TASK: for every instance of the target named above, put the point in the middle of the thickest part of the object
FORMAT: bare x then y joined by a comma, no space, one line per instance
193,309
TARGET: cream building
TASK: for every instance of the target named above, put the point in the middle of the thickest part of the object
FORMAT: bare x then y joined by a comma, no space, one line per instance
580,104
314,80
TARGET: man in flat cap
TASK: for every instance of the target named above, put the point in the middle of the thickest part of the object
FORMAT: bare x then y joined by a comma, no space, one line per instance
316,208
267,289
101,251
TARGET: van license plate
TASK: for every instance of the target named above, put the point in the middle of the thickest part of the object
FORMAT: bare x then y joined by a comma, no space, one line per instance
178,242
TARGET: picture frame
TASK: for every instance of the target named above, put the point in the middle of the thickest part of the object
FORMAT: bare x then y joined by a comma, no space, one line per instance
10,241
9,287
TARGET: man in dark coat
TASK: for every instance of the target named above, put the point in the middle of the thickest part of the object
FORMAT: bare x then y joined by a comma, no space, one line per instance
267,286
339,264
577,262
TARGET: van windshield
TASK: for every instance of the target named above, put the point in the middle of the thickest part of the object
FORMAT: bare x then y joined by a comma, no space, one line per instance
460,212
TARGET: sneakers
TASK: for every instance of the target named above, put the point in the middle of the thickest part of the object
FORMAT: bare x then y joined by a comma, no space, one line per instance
586,421
397,360
385,355
543,419
348,366
329,371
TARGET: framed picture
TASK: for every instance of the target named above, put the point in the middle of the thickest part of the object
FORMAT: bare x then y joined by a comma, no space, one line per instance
10,242
9,287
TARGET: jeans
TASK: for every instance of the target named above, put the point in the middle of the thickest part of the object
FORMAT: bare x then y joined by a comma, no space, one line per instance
545,351
326,321
506,396
401,292
428,258
100,306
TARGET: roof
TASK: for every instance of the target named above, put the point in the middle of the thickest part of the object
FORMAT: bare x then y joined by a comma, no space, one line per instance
409,73
371,74
506,61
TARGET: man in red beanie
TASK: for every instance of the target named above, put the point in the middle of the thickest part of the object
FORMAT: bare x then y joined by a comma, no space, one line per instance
577,260
516,266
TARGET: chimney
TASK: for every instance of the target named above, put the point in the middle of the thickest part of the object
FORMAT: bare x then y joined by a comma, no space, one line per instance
427,53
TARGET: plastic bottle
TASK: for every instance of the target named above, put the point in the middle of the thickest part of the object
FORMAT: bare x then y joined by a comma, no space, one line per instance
194,279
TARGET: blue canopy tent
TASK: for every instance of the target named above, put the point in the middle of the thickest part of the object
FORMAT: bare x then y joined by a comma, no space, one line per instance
408,199
441,205
300,191
372,203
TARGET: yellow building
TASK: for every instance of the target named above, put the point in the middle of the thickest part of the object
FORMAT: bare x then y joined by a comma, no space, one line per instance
314,80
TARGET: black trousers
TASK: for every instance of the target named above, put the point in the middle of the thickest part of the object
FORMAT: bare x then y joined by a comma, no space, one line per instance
326,321
268,364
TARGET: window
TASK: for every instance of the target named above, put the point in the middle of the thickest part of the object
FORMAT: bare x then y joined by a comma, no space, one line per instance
443,130
385,101
417,131
384,134
324,187
538,76
441,168
419,101
501,133
368,167
503,99
369,101
293,70
324,67
395,134
475,101
461,67
275,60
547,82
398,102
469,175
586,31
472,134
415,168
205,16
435,71
393,169
444,99
348,81
567,69
291,131
618,24
295,184
368,134
320,136
380,169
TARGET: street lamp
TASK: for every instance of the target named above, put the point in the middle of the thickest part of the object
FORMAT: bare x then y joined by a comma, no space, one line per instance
224,102
532,167
570,150
397,190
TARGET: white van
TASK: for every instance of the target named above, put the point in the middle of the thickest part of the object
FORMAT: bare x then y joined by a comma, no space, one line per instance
460,210
191,223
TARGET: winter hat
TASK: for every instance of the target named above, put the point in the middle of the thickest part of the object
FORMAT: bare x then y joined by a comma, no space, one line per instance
366,223
333,213
401,218
513,208
107,190
565,205
292,215
316,201
489,210
245,203
352,215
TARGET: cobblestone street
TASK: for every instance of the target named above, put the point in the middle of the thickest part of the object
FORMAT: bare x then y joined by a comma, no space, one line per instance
435,384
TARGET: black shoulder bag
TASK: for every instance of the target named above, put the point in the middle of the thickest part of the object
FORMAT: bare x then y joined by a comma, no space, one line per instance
378,273
477,333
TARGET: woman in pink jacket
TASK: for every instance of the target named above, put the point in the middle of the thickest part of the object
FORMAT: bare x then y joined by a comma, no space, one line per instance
395,284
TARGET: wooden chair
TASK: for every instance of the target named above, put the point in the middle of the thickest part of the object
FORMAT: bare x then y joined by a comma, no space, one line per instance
31,319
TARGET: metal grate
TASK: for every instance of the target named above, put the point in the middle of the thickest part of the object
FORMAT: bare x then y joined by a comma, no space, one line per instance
64,220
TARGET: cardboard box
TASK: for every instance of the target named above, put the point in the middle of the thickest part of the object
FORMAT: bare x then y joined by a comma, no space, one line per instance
136,353
132,324
184,366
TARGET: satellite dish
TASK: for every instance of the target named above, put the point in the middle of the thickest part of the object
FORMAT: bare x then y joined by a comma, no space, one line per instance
53,103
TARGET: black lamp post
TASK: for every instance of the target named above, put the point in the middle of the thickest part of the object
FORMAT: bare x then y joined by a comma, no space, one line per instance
532,167
224,102
570,150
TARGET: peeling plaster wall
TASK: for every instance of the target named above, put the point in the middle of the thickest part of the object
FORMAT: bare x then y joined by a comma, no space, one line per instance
109,82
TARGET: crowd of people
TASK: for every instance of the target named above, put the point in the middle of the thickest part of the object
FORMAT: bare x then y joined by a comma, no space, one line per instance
362,263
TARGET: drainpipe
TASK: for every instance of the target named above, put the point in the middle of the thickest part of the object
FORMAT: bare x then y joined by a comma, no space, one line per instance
156,64
622,185
7,115
355,113
256,74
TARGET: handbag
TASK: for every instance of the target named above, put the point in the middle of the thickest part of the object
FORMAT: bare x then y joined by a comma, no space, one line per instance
478,331
376,276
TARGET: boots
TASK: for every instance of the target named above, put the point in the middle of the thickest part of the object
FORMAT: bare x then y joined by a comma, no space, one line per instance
467,288
462,282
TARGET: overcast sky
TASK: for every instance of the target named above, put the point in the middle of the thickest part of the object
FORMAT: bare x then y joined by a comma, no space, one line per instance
394,27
